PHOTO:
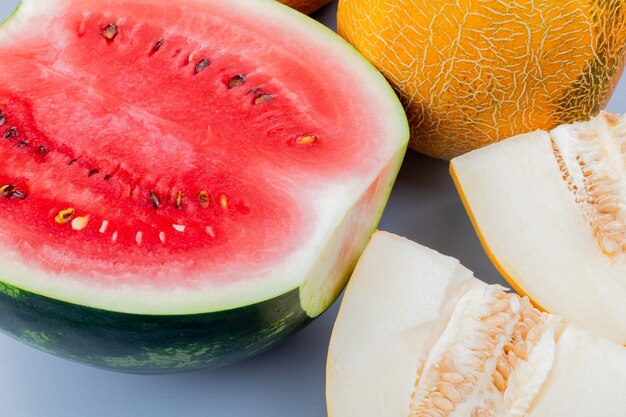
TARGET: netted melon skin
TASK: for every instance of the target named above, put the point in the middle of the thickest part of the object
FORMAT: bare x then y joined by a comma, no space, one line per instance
472,73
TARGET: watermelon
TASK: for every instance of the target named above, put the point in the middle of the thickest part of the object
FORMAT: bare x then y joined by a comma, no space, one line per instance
183,184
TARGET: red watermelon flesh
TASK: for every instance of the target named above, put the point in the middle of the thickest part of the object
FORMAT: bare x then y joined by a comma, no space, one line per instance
188,156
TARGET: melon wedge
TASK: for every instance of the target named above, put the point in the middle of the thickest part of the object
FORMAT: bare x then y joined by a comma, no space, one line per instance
418,335
182,183
550,209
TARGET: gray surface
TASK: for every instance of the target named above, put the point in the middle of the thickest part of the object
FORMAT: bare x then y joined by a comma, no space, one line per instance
289,381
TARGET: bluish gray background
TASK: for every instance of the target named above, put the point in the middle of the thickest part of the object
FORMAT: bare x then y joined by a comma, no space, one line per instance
288,381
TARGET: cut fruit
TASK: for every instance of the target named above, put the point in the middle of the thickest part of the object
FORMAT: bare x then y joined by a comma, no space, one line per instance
180,185
550,209
418,335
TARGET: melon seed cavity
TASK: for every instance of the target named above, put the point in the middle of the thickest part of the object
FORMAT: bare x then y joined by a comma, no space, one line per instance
476,374
592,157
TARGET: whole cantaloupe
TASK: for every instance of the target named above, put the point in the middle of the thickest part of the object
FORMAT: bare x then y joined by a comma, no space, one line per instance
305,6
472,72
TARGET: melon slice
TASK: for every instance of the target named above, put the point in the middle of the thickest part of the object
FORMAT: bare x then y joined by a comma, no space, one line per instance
550,209
183,183
418,335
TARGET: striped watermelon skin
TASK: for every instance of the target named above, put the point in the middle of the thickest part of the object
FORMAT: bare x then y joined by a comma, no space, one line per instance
148,344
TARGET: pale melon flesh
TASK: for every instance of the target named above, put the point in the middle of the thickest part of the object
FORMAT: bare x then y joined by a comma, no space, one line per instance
550,209
418,335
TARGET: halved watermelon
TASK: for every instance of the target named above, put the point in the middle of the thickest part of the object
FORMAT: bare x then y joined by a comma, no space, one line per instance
183,183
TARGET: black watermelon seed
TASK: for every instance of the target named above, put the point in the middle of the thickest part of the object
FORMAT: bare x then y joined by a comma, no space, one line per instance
22,144
19,194
107,177
3,118
202,65
262,98
43,150
155,199
11,133
157,45
237,80
11,191
93,172
72,162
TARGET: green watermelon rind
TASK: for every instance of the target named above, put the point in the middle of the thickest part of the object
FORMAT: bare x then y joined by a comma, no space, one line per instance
148,344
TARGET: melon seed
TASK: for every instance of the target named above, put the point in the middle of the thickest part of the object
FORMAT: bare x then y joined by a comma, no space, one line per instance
64,216
11,133
7,191
306,140
157,45
93,172
11,191
179,200
203,198
224,202
79,223
452,377
3,118
236,81
202,65
262,98
110,31
155,199
43,151
443,404
22,144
